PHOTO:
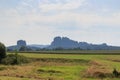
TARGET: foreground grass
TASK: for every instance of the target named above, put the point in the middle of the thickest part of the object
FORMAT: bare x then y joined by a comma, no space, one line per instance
12,78
62,67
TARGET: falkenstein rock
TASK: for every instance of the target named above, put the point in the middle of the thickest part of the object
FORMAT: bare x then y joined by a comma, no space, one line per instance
21,43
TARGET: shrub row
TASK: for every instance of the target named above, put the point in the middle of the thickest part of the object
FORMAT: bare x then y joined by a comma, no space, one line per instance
13,59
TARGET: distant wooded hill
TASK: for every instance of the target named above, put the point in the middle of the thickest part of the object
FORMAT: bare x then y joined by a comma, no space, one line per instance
60,43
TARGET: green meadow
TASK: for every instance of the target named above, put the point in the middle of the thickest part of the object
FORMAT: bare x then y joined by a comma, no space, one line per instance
64,66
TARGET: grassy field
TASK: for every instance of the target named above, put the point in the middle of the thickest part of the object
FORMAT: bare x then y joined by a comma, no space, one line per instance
47,66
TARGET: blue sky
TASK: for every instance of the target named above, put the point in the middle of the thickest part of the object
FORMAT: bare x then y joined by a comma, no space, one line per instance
39,21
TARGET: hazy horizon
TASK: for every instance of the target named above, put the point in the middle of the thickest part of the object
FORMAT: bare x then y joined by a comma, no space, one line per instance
61,37
39,21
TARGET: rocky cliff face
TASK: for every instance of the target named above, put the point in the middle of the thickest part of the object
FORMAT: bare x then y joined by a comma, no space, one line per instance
66,43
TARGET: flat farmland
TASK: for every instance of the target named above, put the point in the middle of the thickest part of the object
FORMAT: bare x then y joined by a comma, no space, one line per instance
64,65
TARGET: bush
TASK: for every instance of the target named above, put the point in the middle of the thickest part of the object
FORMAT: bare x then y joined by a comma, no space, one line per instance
115,73
14,59
2,51
2,68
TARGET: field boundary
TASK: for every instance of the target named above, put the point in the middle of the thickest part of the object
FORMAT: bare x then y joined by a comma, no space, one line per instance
89,52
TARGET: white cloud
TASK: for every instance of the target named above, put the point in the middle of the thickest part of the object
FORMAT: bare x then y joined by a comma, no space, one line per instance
12,18
80,19
59,5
